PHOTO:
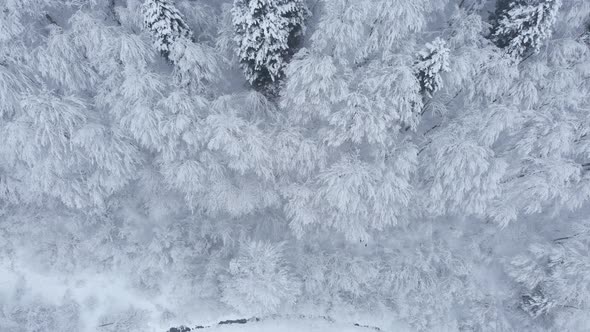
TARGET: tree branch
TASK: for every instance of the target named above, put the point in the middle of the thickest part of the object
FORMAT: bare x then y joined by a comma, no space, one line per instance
50,19
107,324
566,237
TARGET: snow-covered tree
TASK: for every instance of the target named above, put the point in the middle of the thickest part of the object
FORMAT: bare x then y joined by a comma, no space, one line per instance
166,24
356,112
523,26
259,281
553,277
267,34
432,61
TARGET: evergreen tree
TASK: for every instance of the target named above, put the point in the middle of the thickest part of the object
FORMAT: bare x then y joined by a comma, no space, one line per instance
502,6
259,280
165,23
267,33
354,112
521,27
431,63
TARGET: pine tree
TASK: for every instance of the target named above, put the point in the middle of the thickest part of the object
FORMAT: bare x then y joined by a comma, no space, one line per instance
431,63
354,112
166,24
267,33
502,6
522,27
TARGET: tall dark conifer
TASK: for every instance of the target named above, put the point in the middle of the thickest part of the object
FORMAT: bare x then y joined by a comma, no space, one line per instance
432,61
165,23
267,33
520,27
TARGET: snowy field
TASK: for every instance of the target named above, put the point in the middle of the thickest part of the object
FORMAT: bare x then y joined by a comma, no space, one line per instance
285,325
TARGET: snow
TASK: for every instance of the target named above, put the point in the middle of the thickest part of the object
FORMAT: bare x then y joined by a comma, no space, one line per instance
410,162
291,325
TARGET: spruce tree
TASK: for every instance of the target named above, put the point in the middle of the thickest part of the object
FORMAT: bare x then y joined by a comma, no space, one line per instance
503,6
267,33
431,62
521,26
165,23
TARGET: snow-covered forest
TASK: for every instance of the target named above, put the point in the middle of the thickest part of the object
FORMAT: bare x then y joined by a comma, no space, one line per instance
392,165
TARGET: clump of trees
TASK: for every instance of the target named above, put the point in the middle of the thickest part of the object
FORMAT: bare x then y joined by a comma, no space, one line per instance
383,154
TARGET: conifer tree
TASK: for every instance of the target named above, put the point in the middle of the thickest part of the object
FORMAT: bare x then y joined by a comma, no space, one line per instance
260,280
267,33
502,6
431,63
522,26
165,23
354,112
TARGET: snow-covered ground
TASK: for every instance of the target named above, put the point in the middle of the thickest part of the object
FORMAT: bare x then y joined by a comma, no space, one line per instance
291,325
